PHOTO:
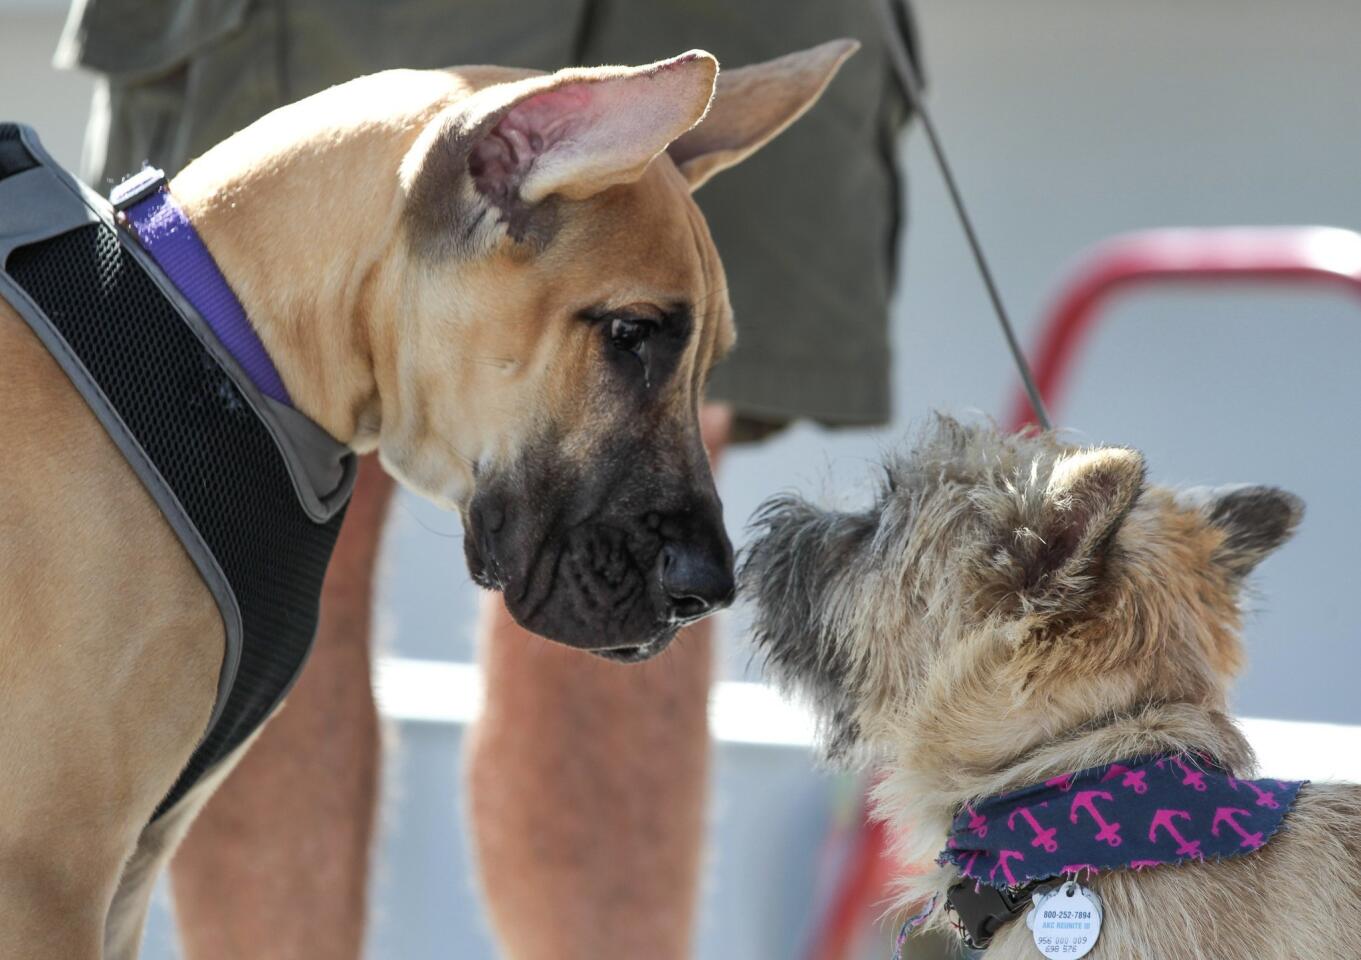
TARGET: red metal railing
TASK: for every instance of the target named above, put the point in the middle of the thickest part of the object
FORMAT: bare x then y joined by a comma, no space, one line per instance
1317,256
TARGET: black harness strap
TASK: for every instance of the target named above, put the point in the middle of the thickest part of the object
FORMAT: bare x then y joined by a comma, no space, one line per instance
221,463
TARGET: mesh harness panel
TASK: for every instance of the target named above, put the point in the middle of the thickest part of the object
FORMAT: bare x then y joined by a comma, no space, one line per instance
219,460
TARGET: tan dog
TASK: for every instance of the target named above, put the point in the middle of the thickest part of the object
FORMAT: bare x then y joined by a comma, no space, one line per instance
1013,609
496,279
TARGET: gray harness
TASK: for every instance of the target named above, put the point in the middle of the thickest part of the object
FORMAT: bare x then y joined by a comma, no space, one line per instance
255,491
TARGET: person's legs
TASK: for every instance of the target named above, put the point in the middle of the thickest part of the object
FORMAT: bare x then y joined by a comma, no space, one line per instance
275,867
587,782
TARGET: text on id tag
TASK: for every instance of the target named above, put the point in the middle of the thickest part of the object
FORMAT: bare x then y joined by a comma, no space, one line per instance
1065,921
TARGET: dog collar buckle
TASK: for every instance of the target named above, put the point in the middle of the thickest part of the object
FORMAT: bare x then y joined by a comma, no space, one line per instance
982,910
137,188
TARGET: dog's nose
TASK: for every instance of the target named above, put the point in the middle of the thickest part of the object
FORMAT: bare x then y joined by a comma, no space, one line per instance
697,580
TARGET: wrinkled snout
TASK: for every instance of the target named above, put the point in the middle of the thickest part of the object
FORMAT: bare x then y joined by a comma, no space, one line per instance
618,581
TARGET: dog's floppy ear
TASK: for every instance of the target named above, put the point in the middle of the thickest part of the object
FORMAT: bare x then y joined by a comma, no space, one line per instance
571,134
577,132
753,104
1255,521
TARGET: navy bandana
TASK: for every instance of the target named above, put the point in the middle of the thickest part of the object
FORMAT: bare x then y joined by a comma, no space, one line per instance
1132,815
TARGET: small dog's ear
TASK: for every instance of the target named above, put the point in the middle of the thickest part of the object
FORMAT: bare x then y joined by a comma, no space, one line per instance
1088,496
1255,520
1067,533
753,104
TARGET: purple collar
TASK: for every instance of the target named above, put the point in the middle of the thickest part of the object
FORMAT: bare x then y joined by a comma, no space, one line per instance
150,213
1131,815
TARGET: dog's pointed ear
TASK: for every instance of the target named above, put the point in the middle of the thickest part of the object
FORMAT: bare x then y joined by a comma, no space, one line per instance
753,104
1070,524
577,132
1088,497
1255,521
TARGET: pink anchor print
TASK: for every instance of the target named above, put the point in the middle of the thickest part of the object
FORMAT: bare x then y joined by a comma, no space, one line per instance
1194,778
1265,798
1226,815
1064,781
977,824
1085,800
1003,856
969,863
1043,837
1134,779
1167,820
1135,814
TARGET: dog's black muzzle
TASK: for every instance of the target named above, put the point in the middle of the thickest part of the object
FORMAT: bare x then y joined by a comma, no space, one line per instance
618,587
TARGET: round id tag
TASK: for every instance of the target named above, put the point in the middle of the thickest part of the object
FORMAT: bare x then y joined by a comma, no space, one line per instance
1065,921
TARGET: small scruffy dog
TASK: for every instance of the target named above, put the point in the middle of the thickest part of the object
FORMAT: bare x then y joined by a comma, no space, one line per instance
1017,619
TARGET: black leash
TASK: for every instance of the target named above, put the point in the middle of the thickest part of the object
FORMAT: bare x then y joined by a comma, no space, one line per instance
907,73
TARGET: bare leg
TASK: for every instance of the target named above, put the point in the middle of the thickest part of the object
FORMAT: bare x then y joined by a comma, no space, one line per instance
276,866
587,782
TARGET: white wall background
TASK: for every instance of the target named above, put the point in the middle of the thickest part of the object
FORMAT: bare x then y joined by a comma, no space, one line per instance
1069,121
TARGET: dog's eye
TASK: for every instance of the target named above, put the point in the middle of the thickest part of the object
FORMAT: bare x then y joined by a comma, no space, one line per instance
629,334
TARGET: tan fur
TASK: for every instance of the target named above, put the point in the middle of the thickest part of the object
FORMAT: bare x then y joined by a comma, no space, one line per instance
109,653
467,355
974,662
443,361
